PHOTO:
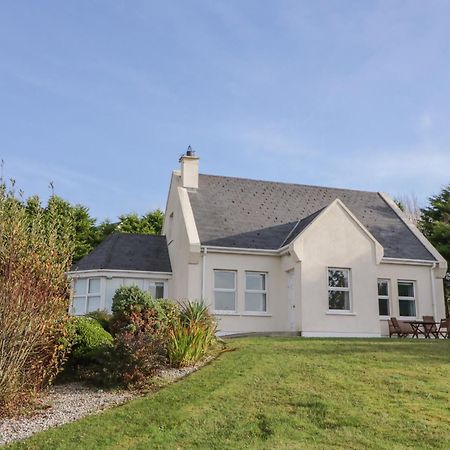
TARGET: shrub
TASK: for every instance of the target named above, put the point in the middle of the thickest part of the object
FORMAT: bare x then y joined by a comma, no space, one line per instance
89,339
191,335
137,356
134,309
103,318
35,252
130,299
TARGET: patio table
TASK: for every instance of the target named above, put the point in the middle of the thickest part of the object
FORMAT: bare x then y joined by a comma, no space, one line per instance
424,327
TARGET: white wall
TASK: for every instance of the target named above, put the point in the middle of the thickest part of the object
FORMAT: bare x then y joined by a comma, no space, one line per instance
335,240
182,240
276,317
423,277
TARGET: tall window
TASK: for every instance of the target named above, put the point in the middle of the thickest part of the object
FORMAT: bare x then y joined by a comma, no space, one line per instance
339,289
224,290
383,297
407,298
86,296
255,292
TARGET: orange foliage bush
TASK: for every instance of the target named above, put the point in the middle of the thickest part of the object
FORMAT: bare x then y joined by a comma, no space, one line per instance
35,253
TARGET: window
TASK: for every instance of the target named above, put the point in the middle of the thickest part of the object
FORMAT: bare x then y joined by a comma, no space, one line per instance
255,292
224,290
407,298
339,289
86,296
156,289
383,297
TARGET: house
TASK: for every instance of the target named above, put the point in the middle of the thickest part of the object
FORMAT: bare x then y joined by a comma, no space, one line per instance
278,257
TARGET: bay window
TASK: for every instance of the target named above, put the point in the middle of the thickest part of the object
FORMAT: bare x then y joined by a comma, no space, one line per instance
86,297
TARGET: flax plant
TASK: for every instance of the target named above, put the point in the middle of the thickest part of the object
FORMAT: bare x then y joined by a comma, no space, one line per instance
191,335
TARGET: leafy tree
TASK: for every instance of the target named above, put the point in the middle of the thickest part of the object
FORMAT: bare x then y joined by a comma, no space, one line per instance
150,223
435,225
36,245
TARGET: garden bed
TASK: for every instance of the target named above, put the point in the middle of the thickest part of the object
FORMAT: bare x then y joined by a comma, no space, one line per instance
68,402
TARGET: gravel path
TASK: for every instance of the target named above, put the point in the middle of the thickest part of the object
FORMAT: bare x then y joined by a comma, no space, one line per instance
68,402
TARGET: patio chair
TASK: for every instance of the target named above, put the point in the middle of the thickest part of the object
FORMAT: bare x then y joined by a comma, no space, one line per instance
401,329
430,329
444,328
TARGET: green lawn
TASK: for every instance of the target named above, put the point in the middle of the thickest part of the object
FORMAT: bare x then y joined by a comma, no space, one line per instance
286,393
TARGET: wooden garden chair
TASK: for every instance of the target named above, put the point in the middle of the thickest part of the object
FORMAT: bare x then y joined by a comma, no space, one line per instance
399,329
444,328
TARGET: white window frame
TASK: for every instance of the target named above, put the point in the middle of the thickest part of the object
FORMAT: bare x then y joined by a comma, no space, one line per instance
234,290
340,289
256,291
384,297
414,298
87,294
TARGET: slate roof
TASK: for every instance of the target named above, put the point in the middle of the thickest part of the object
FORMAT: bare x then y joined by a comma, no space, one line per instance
124,251
244,213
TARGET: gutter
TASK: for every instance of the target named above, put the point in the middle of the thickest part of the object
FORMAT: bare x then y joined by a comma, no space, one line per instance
205,251
121,272
246,251
416,262
433,291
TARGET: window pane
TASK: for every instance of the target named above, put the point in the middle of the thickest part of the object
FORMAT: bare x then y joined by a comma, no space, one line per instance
383,287
383,306
339,300
79,306
223,280
337,278
255,281
159,290
407,308
405,289
255,302
224,301
93,304
94,285
80,286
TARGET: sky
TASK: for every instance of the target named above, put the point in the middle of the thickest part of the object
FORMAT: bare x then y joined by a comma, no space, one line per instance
102,97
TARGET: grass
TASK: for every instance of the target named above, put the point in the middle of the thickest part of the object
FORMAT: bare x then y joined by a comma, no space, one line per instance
286,393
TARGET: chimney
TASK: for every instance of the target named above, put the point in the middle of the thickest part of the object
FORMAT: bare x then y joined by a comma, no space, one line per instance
189,169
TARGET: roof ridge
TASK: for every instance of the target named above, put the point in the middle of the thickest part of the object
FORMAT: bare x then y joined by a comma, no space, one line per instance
288,183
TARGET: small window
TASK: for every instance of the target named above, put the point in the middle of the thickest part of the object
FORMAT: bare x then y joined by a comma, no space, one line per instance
156,289
383,297
255,292
86,296
339,289
224,290
407,298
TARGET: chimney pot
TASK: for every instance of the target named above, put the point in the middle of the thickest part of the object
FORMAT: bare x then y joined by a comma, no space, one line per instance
189,169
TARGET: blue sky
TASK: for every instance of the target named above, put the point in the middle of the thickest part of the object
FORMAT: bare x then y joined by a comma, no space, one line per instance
101,97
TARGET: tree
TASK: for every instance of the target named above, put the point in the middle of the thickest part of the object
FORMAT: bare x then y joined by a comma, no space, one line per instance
36,245
150,223
435,225
410,207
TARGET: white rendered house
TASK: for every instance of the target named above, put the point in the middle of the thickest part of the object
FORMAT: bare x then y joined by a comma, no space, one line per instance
277,257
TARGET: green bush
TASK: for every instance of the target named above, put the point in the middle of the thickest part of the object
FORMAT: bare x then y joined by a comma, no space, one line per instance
103,318
129,299
191,335
89,339
134,309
